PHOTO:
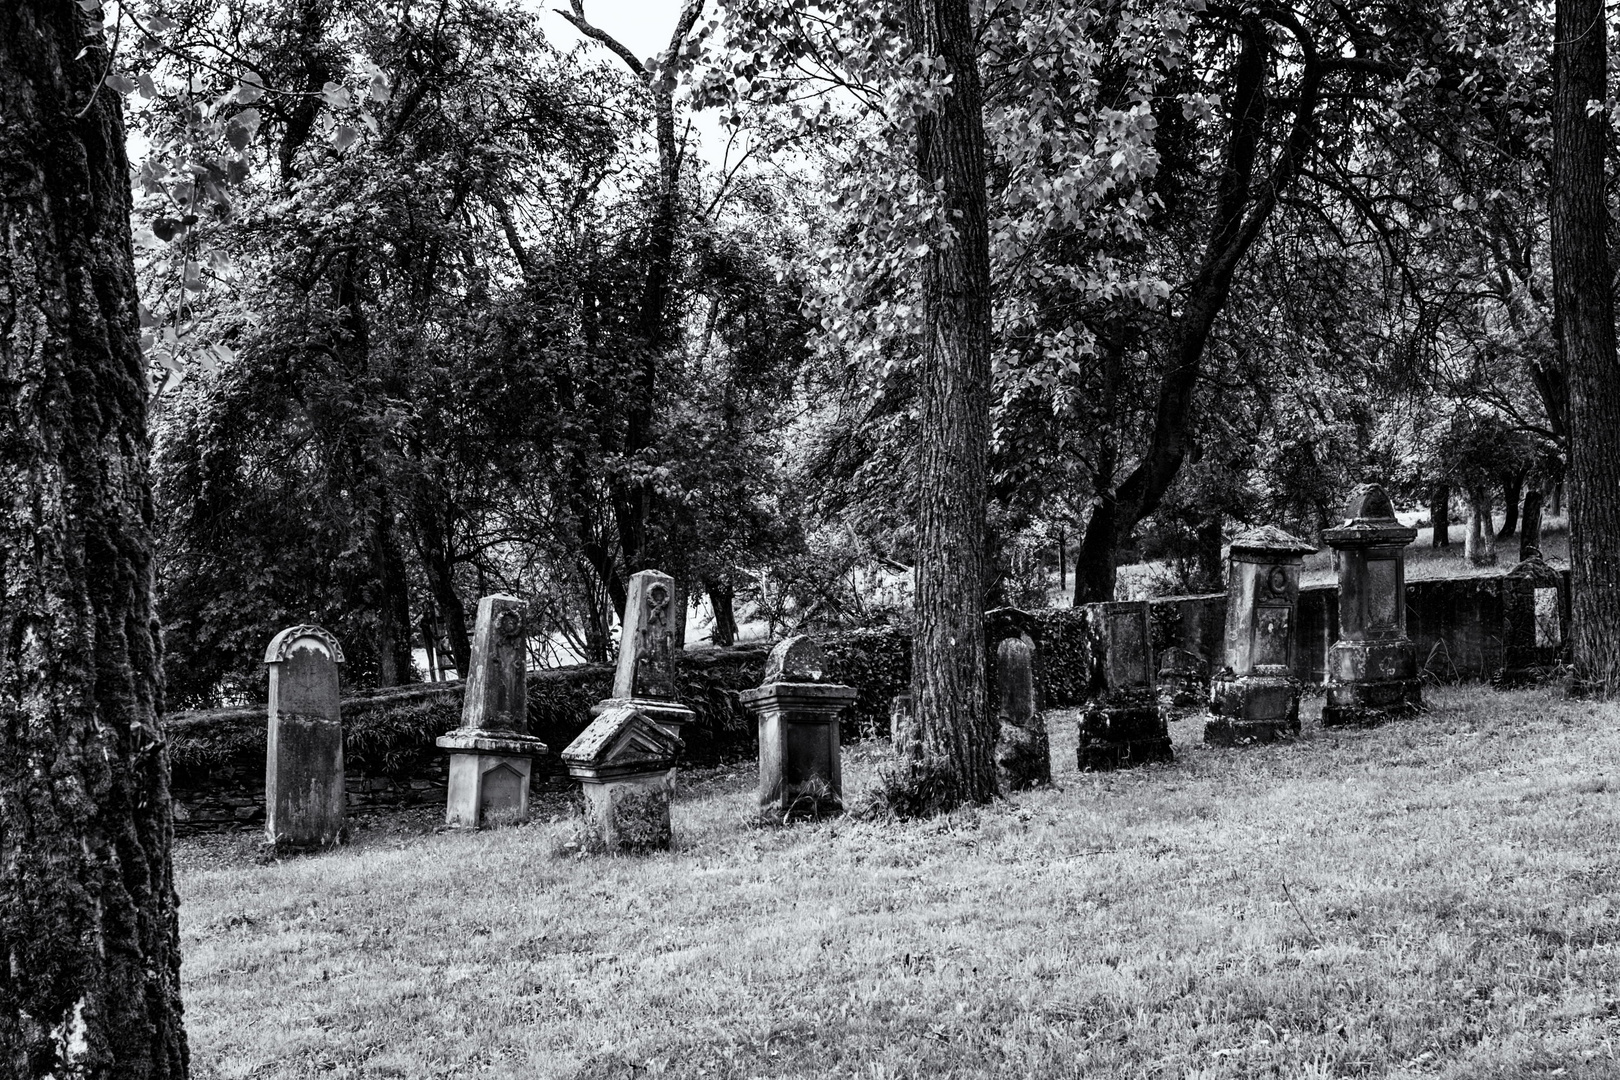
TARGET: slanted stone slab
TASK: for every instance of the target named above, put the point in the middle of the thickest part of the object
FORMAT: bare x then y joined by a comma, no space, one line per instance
645,677
1122,724
1255,696
625,765
1372,670
1023,752
800,770
303,766
492,753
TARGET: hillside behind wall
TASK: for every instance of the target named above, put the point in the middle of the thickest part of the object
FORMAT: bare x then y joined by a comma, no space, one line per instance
217,756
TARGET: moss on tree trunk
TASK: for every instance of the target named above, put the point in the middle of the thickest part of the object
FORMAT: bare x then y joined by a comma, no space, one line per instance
87,900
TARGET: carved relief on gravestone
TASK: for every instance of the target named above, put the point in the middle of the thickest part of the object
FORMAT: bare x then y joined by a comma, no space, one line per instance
645,674
1254,698
655,662
1273,630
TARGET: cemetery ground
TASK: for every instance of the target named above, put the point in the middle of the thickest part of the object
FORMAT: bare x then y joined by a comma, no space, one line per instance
1438,897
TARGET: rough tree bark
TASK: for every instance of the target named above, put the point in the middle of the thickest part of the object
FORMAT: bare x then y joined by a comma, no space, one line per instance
1479,546
1530,526
1512,493
956,730
87,900
1583,312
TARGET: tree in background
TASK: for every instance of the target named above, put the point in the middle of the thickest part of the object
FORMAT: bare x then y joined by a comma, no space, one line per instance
87,902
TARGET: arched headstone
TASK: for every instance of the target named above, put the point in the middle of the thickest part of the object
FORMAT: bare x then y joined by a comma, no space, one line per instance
304,794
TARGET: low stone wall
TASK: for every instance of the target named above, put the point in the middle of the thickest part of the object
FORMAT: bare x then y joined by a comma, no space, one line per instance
1457,623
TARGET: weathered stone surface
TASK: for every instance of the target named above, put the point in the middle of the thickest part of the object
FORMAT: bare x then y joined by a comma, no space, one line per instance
645,677
303,777
492,753
800,766
1535,609
624,763
1023,751
1371,672
1255,697
1122,725
1183,678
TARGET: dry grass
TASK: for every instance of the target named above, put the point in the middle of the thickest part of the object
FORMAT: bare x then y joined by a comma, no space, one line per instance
1439,898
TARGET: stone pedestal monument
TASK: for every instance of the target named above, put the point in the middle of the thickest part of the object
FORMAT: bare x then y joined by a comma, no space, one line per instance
797,711
1023,751
1255,697
303,761
625,764
1535,611
492,753
1372,670
1122,724
645,677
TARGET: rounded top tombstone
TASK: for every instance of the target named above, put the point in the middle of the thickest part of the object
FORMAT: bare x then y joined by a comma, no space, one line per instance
795,659
306,636
1369,503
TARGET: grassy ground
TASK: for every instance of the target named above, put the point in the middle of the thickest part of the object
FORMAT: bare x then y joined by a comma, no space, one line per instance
1438,898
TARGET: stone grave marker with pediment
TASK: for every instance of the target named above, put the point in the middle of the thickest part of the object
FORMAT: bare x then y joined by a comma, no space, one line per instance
304,794
625,766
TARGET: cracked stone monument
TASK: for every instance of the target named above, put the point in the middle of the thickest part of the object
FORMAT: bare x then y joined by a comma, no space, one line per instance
492,753
1023,752
799,769
1372,670
625,765
1534,609
645,677
1122,725
1255,697
303,764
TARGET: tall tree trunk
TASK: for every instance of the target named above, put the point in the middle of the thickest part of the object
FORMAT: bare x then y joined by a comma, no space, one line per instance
393,611
434,550
1512,492
1208,563
1584,314
1530,526
957,730
1480,546
1440,515
1063,561
722,598
87,902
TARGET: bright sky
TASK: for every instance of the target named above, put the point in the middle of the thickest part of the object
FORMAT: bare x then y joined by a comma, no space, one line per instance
644,26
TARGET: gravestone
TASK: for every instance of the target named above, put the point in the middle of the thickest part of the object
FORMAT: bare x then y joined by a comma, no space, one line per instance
1183,678
1535,606
1254,698
492,753
1372,670
645,678
800,773
304,794
1023,752
1122,724
625,765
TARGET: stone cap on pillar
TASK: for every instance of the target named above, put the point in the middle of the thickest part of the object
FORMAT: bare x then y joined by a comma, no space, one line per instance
308,636
467,740
1369,522
1267,543
1535,569
795,674
796,659
621,741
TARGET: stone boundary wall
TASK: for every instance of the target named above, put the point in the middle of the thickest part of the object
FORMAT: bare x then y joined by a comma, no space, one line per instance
1457,624
217,756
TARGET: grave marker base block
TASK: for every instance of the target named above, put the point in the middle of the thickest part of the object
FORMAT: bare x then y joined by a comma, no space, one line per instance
1371,683
1124,728
629,813
1253,709
489,777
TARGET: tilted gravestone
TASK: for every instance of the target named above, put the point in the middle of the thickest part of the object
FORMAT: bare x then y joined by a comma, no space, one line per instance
1122,723
1372,670
1255,697
1535,607
1023,752
800,773
492,753
303,766
645,677
625,765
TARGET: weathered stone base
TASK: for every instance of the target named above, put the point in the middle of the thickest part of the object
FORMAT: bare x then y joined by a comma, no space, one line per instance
489,777
1023,756
1373,703
1131,732
630,813
1253,709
